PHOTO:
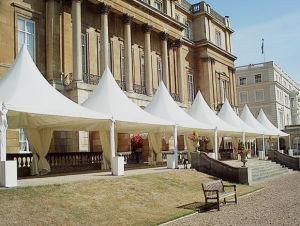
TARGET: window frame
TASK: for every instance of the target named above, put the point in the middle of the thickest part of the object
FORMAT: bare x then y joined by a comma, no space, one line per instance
263,95
240,99
20,17
257,78
218,38
191,90
242,78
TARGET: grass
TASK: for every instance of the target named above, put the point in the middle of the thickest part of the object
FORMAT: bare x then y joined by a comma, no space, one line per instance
137,200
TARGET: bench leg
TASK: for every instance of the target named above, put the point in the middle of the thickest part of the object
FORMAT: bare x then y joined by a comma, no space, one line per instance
235,198
224,200
218,204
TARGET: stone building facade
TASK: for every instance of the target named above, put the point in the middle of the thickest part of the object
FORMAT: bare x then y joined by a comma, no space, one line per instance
187,46
267,86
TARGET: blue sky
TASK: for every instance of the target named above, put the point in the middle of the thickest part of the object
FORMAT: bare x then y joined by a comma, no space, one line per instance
277,21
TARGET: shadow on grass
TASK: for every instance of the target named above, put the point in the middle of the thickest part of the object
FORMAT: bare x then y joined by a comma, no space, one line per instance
199,207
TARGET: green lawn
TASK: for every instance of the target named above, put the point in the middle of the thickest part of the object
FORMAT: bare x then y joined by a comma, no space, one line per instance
137,200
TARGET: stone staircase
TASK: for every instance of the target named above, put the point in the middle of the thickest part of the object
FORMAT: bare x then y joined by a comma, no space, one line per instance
265,169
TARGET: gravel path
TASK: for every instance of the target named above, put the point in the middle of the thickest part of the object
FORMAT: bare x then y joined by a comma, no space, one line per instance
277,204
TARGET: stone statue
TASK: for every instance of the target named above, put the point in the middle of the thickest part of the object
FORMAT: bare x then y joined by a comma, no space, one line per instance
3,128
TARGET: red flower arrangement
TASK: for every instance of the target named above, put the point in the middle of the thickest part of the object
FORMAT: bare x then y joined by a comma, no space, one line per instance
136,142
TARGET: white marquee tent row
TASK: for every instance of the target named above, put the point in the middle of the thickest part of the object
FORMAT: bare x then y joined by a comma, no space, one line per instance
33,104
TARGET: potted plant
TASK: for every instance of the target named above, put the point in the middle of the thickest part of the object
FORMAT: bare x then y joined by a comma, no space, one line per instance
243,153
136,146
195,139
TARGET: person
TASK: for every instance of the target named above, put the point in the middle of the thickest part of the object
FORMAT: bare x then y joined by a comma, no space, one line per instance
185,160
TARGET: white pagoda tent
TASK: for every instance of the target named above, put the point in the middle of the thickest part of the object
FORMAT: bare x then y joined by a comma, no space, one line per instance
251,121
204,114
163,106
263,119
33,104
108,98
228,115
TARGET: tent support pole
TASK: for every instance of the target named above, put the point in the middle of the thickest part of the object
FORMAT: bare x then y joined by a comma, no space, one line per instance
216,143
255,147
278,147
244,138
175,147
289,141
112,142
263,144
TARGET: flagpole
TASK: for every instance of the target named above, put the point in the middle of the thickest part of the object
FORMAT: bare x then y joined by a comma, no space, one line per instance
263,49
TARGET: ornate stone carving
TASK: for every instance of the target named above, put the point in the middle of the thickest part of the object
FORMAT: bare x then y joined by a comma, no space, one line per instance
146,28
127,19
104,8
163,36
177,43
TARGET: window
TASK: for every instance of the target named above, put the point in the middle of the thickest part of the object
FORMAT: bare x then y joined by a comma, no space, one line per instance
218,39
259,95
292,102
223,87
281,120
26,35
243,81
177,17
158,5
84,54
257,78
142,72
286,101
243,97
159,69
191,87
188,29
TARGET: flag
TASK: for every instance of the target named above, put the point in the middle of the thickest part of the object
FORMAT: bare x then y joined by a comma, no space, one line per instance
262,46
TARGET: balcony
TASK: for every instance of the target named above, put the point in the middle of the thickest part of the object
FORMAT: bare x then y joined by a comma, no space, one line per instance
199,8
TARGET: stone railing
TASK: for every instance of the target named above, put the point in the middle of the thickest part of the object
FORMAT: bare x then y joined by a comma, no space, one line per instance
91,79
199,8
180,154
285,160
139,89
175,97
60,162
203,163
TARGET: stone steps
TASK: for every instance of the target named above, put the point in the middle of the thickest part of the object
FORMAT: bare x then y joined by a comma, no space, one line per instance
266,169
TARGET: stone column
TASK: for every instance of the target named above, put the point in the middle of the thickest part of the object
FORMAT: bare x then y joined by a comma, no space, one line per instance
164,56
128,52
180,70
147,52
49,38
104,39
76,40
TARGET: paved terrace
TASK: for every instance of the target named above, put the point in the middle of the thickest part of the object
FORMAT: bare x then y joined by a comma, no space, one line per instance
251,163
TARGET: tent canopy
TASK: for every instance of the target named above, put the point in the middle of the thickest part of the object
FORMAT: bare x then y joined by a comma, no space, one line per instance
108,98
204,114
263,119
228,115
33,103
251,121
163,106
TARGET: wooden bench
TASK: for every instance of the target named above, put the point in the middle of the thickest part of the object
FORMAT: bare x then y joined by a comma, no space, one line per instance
215,190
